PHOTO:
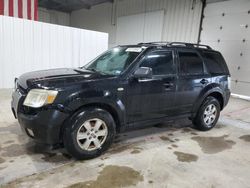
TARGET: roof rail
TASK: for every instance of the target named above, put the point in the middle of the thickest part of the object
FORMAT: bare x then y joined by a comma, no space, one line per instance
153,43
192,45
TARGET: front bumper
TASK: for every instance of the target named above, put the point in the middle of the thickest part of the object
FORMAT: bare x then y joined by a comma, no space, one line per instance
44,126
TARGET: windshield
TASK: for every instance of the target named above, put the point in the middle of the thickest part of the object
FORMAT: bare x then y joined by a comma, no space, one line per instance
114,61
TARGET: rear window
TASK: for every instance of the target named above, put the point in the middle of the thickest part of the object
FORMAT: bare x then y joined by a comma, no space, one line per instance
215,63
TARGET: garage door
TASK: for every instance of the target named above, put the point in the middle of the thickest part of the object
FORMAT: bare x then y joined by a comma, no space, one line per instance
226,27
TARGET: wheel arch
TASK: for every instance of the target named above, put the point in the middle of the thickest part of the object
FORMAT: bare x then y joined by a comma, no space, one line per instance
107,107
116,114
219,97
214,92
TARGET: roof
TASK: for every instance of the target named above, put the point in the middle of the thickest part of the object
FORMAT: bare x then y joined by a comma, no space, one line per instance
70,5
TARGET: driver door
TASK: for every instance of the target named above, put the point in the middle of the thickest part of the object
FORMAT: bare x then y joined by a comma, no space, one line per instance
151,98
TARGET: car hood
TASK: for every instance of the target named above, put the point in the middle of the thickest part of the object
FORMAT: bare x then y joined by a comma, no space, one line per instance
53,78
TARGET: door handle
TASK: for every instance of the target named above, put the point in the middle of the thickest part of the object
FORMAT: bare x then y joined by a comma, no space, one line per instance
204,81
168,85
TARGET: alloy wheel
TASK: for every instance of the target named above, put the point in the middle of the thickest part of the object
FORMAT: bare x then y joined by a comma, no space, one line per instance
92,134
209,115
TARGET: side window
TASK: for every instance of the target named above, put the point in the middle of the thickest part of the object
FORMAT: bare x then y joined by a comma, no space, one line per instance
161,62
214,62
190,63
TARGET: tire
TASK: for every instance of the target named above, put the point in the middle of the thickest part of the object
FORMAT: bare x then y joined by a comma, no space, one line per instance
82,130
208,114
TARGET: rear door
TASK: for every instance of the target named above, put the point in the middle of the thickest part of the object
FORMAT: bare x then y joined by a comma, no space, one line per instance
191,79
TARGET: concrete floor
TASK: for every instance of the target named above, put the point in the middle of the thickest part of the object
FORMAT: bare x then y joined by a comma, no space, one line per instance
163,156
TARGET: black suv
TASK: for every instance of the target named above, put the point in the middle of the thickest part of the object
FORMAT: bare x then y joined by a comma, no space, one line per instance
125,87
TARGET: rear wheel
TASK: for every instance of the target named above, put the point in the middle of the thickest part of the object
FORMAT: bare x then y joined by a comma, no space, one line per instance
208,114
89,133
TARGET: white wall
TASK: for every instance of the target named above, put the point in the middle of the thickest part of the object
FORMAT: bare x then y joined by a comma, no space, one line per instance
181,17
227,34
54,17
98,18
30,45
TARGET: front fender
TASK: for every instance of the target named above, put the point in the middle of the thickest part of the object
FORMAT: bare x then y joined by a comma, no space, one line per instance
98,98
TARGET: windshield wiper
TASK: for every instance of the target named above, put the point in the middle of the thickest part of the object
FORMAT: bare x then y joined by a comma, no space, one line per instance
91,69
94,70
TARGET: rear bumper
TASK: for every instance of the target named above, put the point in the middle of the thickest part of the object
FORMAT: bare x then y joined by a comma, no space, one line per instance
45,126
226,97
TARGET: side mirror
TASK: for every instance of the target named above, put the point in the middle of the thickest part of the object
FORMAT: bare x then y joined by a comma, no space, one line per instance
143,72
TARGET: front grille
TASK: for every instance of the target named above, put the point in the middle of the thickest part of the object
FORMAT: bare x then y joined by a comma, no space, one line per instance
21,90
28,110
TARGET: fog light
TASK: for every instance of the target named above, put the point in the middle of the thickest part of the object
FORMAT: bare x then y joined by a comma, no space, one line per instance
30,132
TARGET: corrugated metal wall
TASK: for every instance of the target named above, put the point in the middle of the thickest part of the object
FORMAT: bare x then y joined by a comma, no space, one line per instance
226,27
144,27
181,21
29,45
181,17
54,17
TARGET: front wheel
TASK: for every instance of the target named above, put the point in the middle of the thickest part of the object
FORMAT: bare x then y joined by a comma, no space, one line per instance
89,133
208,114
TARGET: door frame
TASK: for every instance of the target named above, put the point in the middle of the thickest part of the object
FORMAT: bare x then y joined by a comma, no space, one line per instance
160,78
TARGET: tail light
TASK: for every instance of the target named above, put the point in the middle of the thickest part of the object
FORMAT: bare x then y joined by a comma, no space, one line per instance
229,82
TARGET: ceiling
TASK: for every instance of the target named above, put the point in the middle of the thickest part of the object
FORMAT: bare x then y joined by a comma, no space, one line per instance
69,5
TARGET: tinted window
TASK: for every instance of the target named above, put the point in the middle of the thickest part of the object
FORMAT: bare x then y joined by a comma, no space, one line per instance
160,62
190,63
214,62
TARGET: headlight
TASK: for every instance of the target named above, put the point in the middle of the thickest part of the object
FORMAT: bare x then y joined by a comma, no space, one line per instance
39,97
